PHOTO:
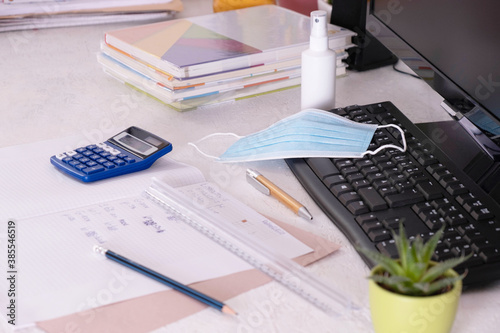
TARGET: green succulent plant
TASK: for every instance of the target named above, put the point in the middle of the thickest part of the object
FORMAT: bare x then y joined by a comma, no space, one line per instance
414,273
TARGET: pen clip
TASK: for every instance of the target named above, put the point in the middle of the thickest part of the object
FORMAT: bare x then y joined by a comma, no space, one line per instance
255,183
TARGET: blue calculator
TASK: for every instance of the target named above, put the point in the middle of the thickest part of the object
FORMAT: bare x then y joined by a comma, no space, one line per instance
132,150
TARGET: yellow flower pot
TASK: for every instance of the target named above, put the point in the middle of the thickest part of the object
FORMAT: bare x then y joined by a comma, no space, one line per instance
395,313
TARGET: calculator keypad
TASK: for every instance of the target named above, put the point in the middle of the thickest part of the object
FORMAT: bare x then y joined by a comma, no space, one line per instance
96,158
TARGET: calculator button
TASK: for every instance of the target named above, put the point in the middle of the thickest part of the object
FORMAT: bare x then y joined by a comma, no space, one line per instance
122,156
114,151
91,163
129,159
87,153
112,158
77,156
108,165
84,160
105,154
60,156
119,162
73,163
80,166
94,157
101,160
101,145
71,153
67,159
94,169
81,150
90,147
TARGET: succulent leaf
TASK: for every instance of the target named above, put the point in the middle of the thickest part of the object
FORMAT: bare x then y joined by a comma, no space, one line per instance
439,269
414,273
389,264
430,246
435,287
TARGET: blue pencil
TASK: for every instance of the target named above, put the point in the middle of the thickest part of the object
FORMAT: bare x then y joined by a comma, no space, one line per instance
165,280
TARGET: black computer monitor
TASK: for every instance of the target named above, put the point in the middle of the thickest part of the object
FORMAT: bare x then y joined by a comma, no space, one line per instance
455,46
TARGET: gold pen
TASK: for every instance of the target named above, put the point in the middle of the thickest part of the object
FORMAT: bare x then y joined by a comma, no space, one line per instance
265,186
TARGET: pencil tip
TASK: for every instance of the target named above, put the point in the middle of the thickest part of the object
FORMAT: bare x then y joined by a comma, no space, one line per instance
228,310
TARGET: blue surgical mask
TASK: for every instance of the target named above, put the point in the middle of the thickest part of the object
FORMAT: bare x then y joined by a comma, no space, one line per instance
309,133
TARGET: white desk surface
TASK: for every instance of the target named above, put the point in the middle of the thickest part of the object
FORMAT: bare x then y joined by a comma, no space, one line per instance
53,87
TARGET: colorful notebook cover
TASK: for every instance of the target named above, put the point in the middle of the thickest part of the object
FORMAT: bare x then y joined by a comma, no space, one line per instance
221,41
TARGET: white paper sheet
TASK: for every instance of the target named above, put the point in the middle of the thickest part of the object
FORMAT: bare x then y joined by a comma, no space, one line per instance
58,273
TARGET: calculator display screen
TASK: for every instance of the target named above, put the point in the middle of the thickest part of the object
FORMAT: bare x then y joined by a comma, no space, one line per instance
134,144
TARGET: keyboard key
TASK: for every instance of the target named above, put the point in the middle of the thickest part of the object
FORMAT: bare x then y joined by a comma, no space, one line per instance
370,170
376,109
455,219
380,234
429,190
349,197
362,219
427,159
360,164
358,184
371,225
373,177
354,177
372,198
349,170
404,198
422,207
340,189
388,248
465,197
392,223
387,190
358,207
334,180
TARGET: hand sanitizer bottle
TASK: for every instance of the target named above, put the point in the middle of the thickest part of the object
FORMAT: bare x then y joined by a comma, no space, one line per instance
318,67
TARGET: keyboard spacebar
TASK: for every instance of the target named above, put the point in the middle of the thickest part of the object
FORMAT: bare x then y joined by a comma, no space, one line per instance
404,198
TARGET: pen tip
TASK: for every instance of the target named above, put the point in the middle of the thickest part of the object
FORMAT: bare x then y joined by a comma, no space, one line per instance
303,212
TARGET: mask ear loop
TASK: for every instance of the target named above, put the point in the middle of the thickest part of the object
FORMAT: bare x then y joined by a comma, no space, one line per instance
209,136
376,151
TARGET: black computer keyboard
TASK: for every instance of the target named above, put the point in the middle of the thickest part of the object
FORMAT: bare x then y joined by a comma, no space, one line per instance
368,197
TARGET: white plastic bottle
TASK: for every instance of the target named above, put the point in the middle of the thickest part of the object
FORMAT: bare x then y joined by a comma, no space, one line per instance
318,67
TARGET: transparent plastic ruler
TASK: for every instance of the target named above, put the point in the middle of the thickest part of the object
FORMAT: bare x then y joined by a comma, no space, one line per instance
280,268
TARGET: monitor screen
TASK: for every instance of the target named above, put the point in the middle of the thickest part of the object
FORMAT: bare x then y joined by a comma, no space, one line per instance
454,45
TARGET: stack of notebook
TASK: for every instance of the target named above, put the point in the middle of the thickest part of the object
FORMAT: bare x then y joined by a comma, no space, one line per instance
193,62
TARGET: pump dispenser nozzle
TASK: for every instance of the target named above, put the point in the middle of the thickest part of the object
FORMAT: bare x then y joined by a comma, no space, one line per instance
318,38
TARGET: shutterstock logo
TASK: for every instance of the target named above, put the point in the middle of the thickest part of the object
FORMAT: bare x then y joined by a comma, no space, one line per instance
486,87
